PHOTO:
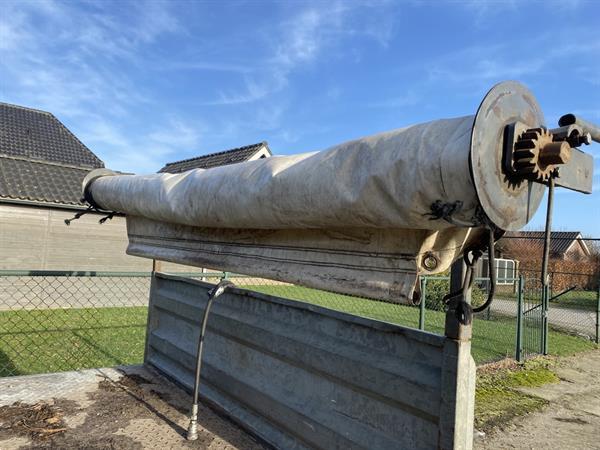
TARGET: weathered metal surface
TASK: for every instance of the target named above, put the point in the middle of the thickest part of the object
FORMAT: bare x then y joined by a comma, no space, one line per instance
588,127
374,263
509,205
578,175
301,376
537,154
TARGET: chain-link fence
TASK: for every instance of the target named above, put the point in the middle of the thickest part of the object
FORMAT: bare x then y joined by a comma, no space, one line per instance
573,303
55,321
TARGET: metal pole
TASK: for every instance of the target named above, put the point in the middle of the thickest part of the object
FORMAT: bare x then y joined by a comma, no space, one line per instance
488,312
548,230
192,432
422,304
519,345
598,314
454,327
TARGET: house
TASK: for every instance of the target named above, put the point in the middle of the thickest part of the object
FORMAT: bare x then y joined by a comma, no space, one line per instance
224,158
42,166
564,245
571,262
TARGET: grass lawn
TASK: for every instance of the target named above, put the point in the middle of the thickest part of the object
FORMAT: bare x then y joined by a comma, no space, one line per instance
53,340
577,300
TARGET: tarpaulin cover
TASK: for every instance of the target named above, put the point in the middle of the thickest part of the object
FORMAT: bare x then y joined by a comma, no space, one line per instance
353,219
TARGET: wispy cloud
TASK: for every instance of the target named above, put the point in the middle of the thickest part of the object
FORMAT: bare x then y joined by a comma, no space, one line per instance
516,58
145,152
65,58
410,98
302,39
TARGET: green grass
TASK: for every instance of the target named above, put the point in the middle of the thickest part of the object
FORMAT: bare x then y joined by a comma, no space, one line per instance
587,300
497,399
52,340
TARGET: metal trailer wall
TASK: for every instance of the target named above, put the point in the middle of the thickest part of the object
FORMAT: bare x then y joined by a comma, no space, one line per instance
301,376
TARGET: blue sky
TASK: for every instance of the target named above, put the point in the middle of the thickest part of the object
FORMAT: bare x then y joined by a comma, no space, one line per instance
144,83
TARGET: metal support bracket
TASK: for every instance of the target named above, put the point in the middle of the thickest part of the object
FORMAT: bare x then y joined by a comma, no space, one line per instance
455,328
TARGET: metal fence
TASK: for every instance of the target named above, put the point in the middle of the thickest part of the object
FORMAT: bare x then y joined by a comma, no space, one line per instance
55,321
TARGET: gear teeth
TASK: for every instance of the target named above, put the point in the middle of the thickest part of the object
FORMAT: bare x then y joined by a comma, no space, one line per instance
527,151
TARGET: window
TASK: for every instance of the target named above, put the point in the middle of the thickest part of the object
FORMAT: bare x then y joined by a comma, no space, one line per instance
505,270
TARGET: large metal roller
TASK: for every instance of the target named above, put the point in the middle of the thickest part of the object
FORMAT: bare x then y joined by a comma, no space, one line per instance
364,217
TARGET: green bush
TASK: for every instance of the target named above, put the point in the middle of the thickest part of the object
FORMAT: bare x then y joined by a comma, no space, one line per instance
436,289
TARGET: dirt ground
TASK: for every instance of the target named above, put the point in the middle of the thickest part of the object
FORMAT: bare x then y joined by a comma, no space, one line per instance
138,409
111,410
571,420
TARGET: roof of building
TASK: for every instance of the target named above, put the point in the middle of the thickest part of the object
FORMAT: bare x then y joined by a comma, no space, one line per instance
560,241
39,182
41,161
39,136
233,156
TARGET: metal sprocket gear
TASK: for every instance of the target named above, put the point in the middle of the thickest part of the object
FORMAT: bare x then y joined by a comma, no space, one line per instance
528,158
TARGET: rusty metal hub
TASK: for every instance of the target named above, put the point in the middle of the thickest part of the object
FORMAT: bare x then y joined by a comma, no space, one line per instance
536,155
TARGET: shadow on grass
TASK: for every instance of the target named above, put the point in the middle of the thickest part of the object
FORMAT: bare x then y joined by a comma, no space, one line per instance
7,368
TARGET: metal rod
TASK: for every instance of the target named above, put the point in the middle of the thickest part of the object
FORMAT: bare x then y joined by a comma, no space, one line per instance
546,256
554,297
192,432
422,304
588,127
519,346
598,315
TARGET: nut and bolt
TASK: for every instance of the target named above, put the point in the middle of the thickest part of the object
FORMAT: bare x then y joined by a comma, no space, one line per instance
430,262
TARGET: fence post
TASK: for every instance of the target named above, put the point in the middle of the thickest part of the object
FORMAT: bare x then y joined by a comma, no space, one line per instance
458,378
488,311
422,304
545,306
519,344
598,314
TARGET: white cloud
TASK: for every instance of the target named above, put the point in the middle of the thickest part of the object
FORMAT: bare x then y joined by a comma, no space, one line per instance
68,58
410,98
82,62
141,152
540,55
309,34
176,134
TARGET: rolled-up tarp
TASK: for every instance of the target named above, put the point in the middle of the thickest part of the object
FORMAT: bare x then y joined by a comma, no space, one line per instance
365,217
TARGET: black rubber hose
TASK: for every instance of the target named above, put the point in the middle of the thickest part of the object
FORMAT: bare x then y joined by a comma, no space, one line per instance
492,274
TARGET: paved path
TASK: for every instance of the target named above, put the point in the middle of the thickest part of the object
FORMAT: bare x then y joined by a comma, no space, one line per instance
575,320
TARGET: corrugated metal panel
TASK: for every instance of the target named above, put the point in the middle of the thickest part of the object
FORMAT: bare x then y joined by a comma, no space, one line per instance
301,376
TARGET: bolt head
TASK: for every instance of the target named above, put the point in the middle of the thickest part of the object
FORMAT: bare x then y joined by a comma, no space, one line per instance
430,262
